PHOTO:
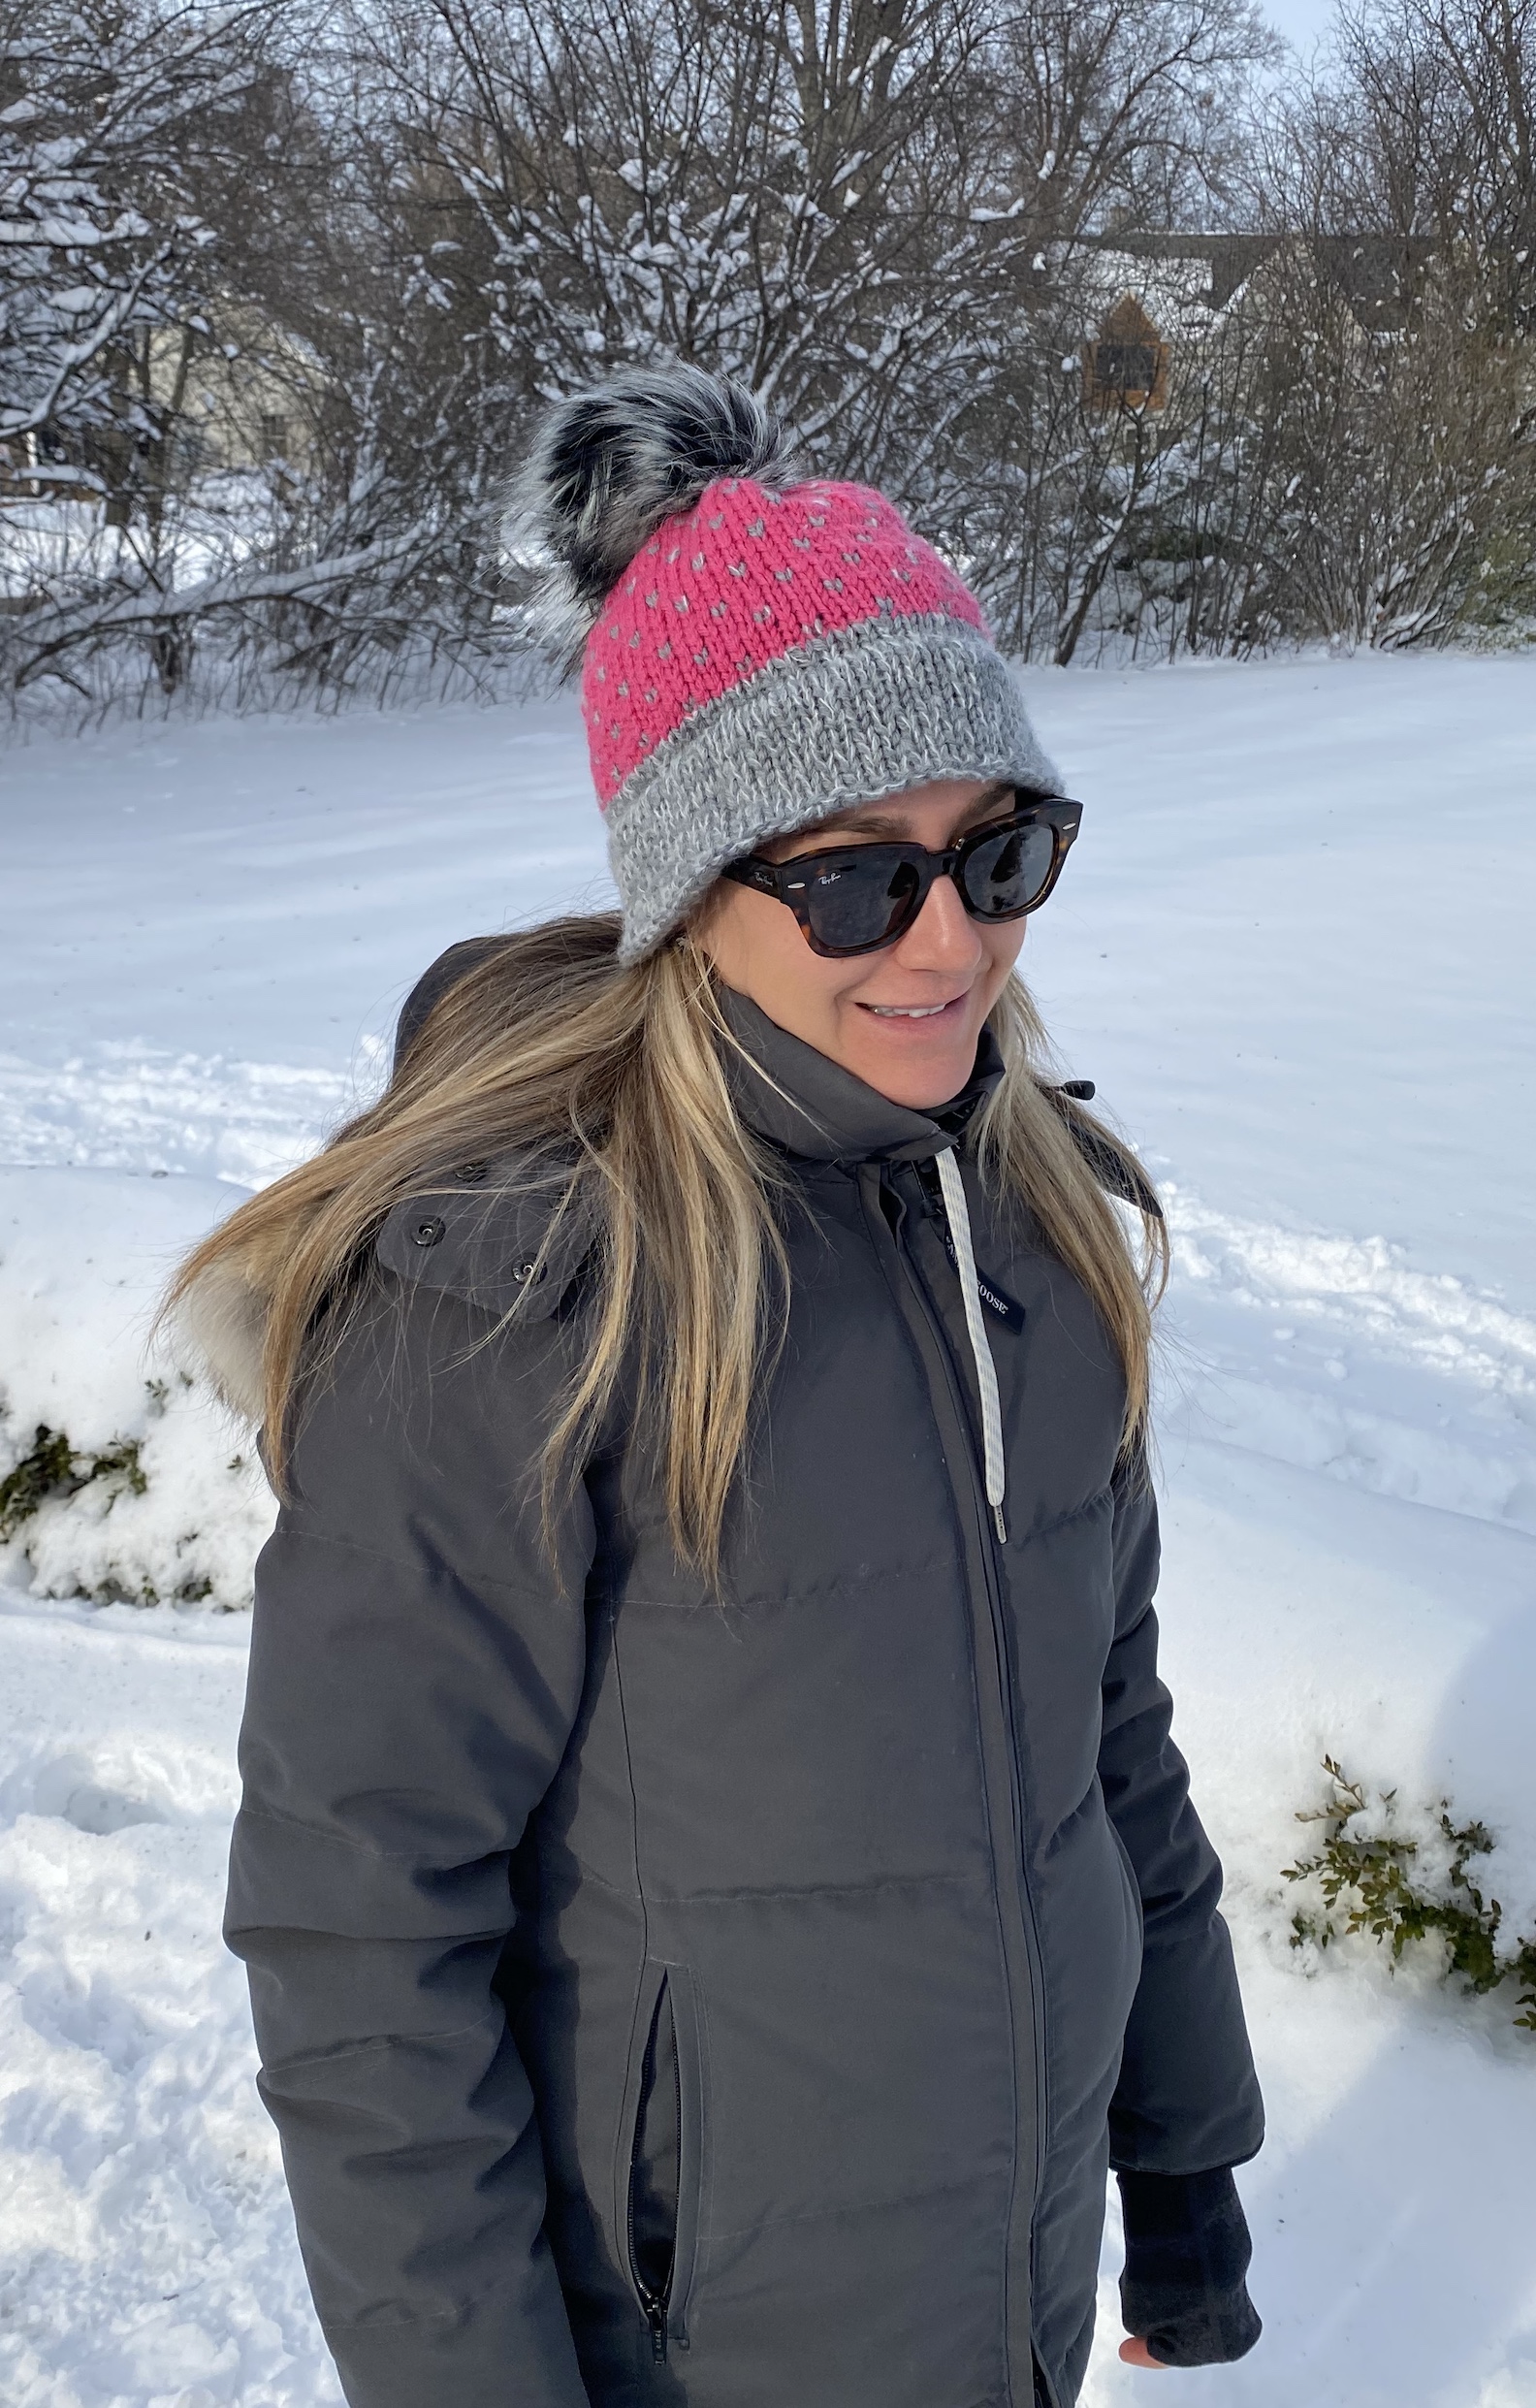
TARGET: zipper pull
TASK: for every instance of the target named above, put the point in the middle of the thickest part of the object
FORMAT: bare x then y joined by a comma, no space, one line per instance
655,2318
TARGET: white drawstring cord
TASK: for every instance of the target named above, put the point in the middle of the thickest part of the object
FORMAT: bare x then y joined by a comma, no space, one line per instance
959,1217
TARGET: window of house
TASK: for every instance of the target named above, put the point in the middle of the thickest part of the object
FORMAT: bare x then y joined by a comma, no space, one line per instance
1124,367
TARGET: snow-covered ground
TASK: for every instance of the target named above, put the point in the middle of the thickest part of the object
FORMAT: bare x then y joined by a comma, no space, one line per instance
1293,949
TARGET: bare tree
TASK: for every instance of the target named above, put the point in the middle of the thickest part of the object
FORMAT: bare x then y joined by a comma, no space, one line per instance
106,113
1438,104
866,207
391,228
812,197
1400,400
1127,113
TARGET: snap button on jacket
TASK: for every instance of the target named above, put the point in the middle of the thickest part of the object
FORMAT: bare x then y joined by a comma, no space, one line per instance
730,1997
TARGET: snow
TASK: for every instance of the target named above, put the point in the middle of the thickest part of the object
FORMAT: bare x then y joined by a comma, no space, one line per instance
1293,947
266,889
147,2253
83,1254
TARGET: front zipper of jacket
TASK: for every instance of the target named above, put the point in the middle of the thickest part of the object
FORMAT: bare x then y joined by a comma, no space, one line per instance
1006,1679
1007,1689
1021,1949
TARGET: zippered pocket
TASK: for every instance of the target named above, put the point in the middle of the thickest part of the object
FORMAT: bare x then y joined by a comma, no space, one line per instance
659,2184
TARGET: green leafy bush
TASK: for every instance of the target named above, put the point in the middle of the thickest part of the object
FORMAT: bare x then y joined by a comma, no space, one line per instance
54,1468
1375,1881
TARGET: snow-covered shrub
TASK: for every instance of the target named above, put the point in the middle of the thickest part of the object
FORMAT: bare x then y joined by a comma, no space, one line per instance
120,1477
166,1515
1406,1879
53,1468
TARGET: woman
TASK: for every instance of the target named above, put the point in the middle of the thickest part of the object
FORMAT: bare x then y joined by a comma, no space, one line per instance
717,1883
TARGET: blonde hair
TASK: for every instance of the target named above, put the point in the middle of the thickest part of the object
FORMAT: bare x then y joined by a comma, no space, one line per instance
608,1087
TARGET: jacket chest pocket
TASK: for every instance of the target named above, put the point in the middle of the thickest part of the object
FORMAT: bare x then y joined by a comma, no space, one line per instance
659,2168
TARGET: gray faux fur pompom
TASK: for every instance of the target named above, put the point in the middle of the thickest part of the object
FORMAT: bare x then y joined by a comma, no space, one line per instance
609,465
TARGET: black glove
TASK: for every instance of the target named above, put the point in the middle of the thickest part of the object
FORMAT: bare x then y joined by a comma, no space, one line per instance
1187,2254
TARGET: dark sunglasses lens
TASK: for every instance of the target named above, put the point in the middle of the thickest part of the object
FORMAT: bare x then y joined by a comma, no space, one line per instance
1003,876
857,903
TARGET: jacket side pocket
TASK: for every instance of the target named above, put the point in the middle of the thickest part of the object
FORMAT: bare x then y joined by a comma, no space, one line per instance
659,2176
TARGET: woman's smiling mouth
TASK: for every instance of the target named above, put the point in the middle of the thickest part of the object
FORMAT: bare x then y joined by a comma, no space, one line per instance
913,1011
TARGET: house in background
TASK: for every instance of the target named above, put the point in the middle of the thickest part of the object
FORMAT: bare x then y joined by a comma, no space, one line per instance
188,405
1126,363
1148,297
251,400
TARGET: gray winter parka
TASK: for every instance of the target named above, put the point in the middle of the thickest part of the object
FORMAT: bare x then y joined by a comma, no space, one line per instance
725,1998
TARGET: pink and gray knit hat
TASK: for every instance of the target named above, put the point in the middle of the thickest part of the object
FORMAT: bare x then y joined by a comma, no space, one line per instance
759,650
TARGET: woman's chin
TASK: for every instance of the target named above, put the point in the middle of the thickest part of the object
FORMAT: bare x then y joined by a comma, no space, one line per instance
920,1064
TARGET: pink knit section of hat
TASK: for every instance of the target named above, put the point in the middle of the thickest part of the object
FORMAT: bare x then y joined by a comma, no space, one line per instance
735,583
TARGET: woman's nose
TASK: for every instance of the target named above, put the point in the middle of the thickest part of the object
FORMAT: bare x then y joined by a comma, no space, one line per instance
942,936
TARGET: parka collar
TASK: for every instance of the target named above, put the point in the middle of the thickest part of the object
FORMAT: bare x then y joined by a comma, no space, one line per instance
810,1105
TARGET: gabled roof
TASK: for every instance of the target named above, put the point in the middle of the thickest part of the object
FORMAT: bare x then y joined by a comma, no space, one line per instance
1377,274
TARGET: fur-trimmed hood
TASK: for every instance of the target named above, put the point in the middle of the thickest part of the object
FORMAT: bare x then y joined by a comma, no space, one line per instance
483,1234
219,1323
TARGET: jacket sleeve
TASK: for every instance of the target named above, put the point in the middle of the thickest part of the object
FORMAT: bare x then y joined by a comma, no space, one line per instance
1188,2099
416,1669
1187,2253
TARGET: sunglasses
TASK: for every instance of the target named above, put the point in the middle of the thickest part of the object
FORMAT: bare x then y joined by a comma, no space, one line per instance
856,898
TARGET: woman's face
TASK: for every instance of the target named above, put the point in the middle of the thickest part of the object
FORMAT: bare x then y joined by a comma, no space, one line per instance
905,1020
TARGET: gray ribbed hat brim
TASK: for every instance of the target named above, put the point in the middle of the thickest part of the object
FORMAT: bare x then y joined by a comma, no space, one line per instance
843,718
